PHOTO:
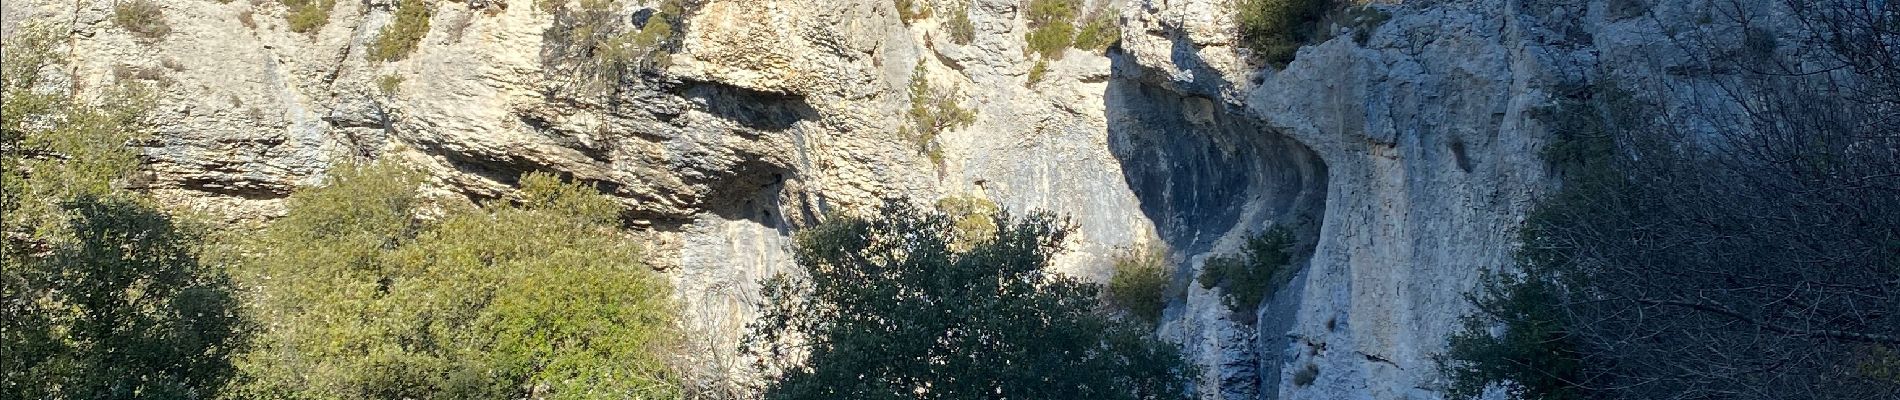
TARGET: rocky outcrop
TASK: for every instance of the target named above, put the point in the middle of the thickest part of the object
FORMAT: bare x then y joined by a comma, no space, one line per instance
1404,153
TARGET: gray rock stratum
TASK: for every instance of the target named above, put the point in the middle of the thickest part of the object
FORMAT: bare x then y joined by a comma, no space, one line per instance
1405,152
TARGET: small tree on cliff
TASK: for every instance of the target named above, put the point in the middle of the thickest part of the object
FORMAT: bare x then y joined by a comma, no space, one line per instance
890,309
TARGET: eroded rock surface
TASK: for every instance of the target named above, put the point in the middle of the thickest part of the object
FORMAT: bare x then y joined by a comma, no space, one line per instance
1404,153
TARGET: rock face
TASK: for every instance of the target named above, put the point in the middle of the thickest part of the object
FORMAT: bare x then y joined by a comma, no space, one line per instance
1404,152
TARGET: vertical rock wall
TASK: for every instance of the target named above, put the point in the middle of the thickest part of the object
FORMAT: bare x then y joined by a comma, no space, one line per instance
1404,153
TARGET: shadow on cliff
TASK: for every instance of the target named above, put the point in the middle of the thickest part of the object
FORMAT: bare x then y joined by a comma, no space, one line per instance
1202,170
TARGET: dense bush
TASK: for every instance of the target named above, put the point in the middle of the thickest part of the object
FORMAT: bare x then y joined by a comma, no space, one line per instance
1141,282
1275,29
975,219
962,31
1101,30
141,17
1263,264
306,16
1051,26
402,35
103,296
538,299
1534,358
888,308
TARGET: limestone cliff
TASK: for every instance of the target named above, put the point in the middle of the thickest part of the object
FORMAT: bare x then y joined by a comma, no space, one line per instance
1403,150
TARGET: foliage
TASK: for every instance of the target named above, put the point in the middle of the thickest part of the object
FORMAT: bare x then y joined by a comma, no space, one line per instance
119,309
1533,358
307,16
104,297
1263,264
1051,26
542,299
141,17
1275,29
1706,256
889,309
1140,284
389,85
401,36
911,10
591,43
933,112
1037,71
975,219
962,31
57,148
1101,30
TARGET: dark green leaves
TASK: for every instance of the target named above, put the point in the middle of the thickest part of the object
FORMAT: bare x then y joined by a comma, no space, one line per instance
889,308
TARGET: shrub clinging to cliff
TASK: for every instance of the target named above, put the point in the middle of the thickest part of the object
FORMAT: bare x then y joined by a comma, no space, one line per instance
1275,29
402,35
1263,264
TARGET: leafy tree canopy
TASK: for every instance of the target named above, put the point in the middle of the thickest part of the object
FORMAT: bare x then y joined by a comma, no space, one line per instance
542,299
889,307
102,295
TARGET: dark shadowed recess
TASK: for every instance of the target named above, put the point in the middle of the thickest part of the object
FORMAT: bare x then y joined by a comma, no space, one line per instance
1202,169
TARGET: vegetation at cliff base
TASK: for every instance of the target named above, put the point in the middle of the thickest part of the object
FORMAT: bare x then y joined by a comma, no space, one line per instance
540,298
1141,284
1275,29
103,295
1759,267
889,307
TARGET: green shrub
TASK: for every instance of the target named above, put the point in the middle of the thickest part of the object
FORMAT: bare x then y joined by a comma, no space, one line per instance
910,10
1140,284
544,298
1051,26
1275,29
102,295
1099,32
72,147
1245,278
307,16
141,17
1036,72
933,112
402,35
975,218
389,85
887,305
1534,358
962,31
